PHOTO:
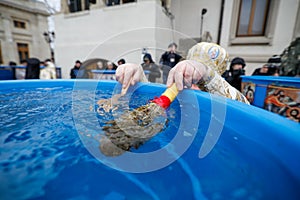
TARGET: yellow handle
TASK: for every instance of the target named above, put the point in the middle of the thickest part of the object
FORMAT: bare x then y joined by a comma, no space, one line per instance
171,92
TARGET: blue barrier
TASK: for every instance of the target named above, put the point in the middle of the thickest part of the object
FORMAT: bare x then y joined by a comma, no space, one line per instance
98,74
7,73
280,95
103,71
256,155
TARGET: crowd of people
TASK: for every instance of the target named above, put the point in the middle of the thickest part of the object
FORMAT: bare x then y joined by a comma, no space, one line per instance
202,70
33,68
237,69
211,74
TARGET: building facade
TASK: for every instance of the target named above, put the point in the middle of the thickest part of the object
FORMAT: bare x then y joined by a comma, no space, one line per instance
114,29
22,24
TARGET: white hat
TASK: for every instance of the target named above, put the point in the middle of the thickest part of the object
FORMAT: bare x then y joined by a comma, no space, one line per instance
211,55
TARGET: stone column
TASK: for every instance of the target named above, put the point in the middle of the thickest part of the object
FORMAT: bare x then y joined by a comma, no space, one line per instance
8,43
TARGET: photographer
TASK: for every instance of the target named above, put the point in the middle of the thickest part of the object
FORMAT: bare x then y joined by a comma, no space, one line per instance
232,76
168,60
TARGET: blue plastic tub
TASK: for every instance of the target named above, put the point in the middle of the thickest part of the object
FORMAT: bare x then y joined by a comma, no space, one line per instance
212,147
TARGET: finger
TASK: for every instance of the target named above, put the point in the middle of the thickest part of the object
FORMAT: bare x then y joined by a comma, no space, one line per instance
170,79
120,74
188,75
179,80
198,72
194,69
128,74
197,76
136,76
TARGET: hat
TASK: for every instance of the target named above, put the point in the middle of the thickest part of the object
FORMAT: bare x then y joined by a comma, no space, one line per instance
78,61
209,54
275,59
11,63
238,60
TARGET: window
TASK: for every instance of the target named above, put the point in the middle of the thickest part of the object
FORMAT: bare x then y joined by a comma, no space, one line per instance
112,2
252,17
23,51
80,5
166,4
128,1
75,5
19,24
118,2
253,21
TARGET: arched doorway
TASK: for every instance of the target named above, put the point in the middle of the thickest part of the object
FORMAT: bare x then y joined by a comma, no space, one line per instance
94,64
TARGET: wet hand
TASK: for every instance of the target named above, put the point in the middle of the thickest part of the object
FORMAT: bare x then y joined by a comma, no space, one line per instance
186,73
129,74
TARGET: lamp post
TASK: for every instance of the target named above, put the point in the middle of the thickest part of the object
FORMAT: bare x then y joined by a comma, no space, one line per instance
49,37
204,10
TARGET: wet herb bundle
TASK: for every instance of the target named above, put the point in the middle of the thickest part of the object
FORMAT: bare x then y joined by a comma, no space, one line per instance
133,128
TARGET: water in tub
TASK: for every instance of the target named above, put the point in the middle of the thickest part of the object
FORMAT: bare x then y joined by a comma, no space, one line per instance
44,155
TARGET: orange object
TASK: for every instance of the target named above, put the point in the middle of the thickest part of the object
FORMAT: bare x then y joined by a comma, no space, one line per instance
274,100
167,97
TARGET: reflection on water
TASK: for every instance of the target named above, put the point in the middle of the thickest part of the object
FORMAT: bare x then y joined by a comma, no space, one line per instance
42,157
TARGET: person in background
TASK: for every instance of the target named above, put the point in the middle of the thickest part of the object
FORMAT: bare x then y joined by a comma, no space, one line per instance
99,65
12,66
263,71
236,70
20,72
49,70
33,68
23,62
271,68
75,69
42,64
201,71
109,66
168,60
151,67
274,65
121,61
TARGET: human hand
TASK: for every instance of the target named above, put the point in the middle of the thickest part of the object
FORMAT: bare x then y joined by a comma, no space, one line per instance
186,73
129,74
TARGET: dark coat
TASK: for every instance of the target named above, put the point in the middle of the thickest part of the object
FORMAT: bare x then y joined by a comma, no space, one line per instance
169,60
74,72
154,71
33,68
233,77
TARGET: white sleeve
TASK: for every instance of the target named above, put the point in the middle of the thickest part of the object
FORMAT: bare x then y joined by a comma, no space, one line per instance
216,84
